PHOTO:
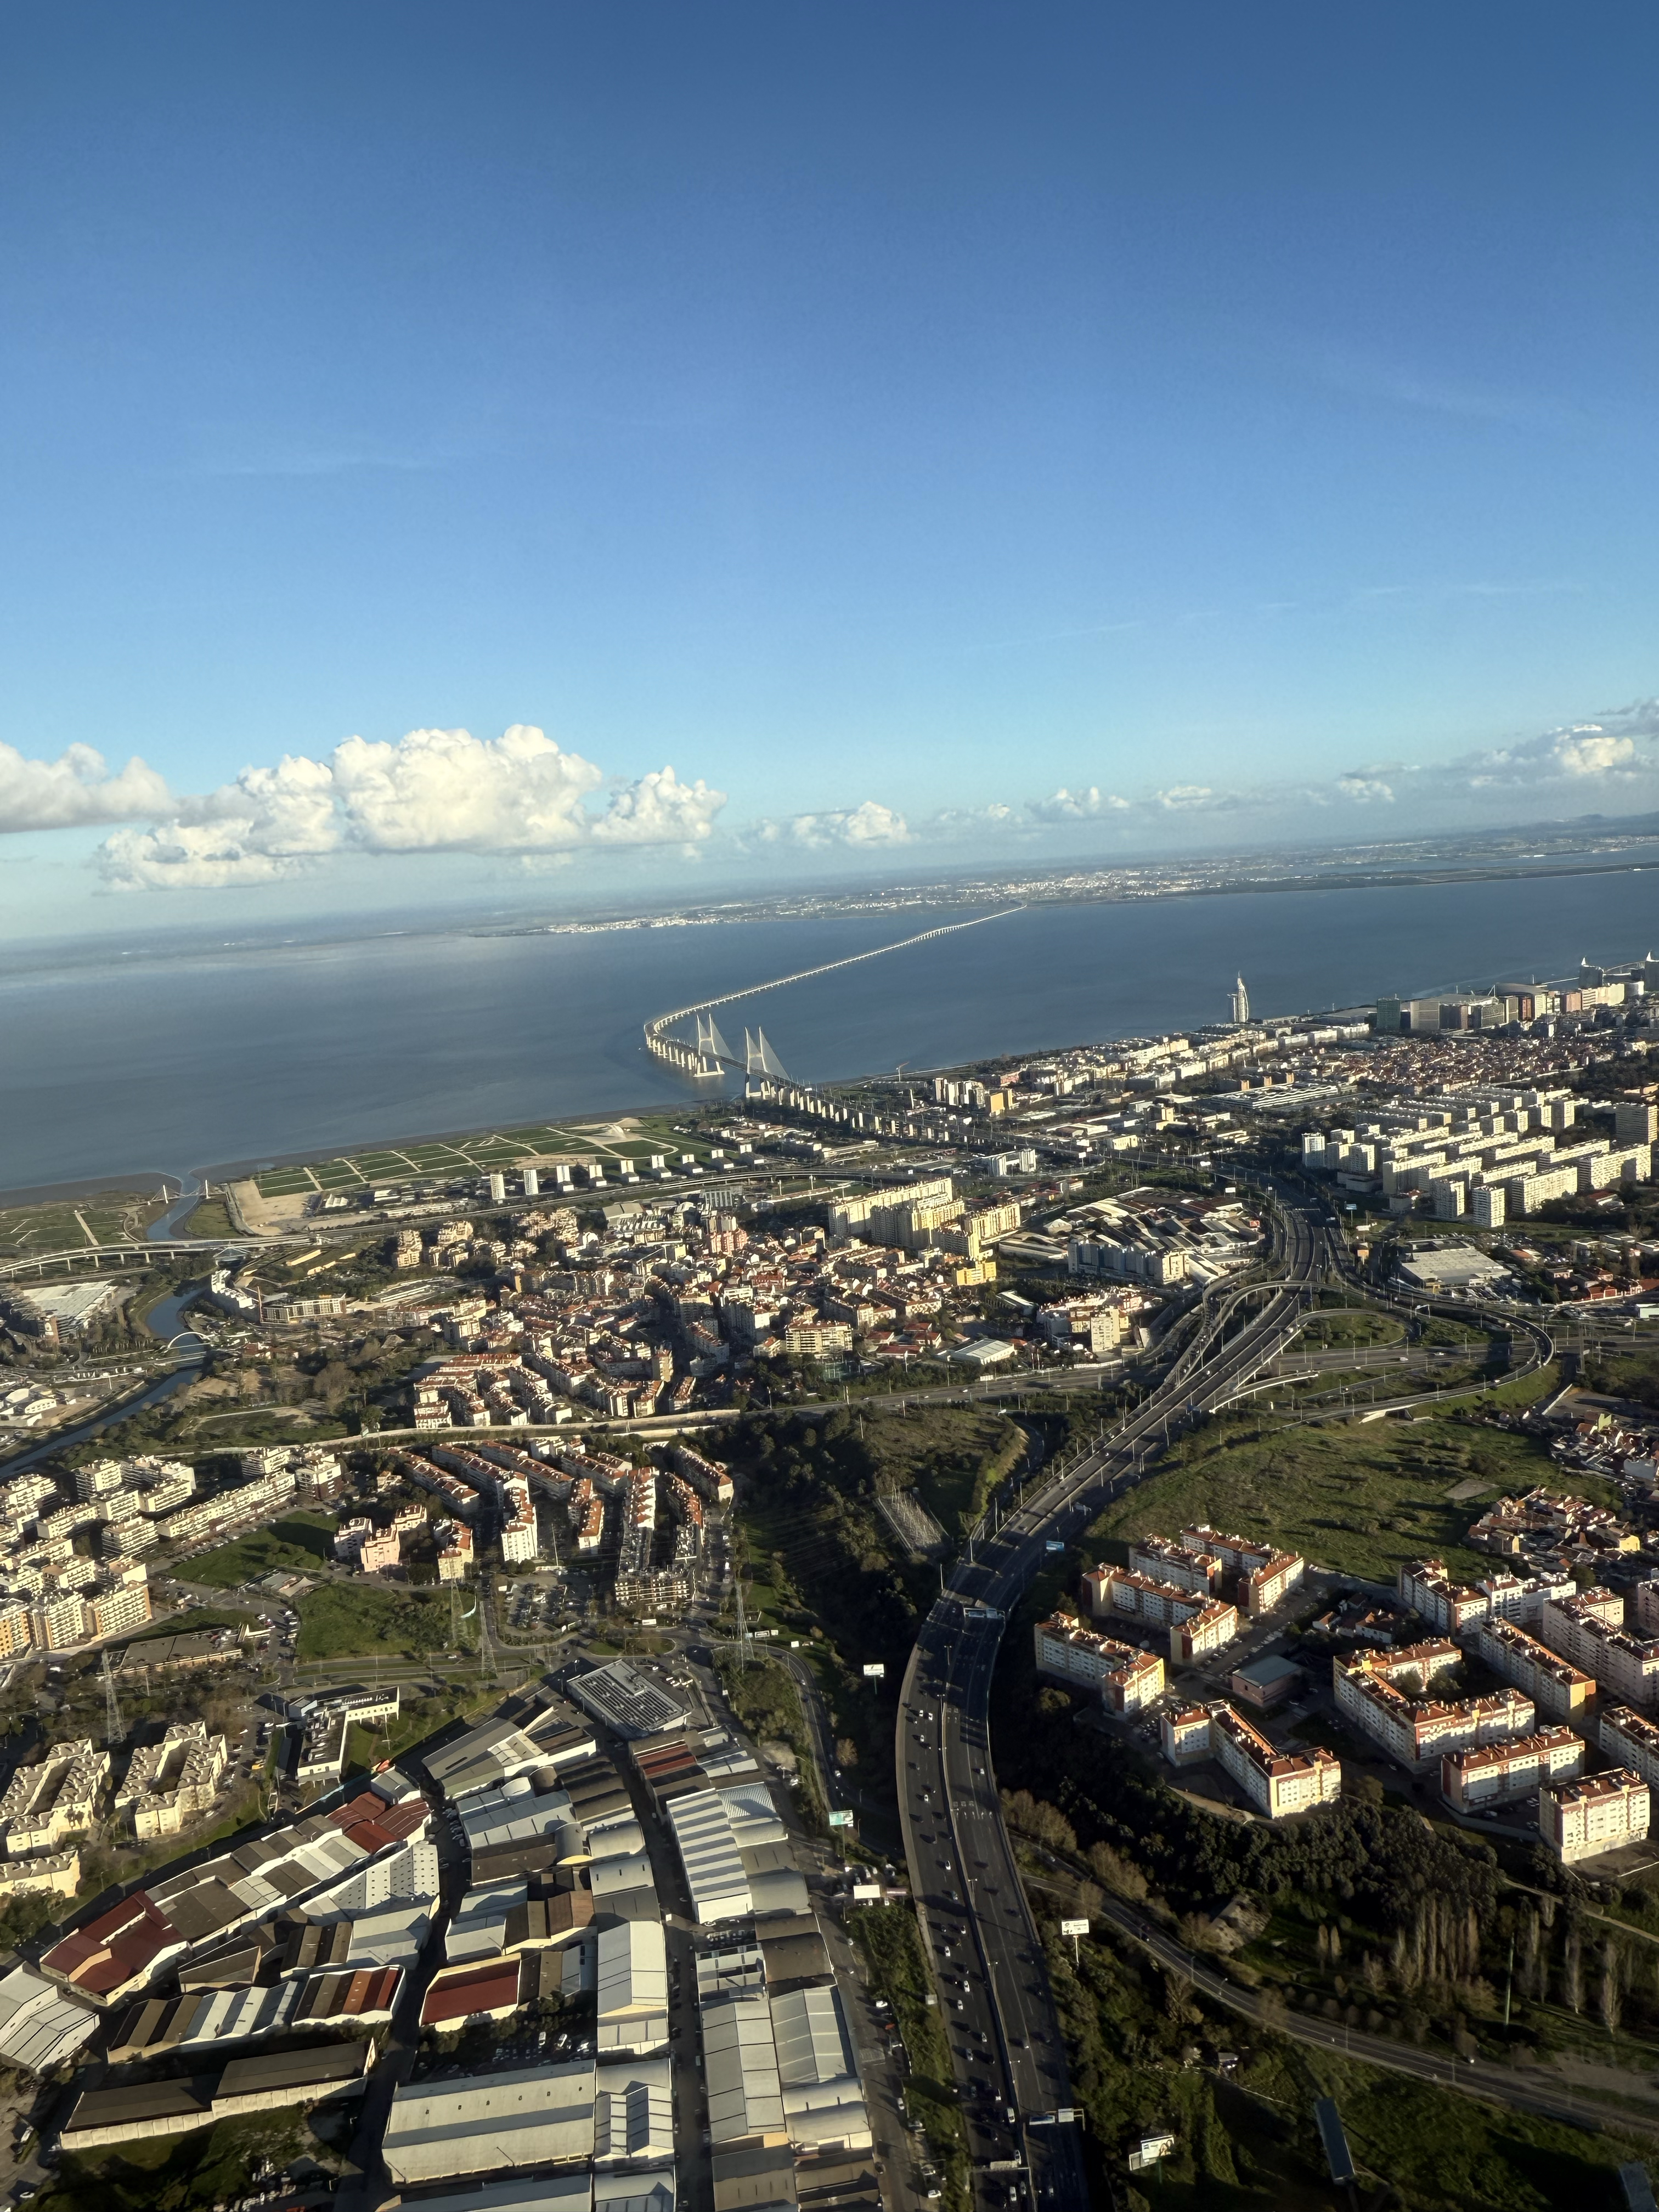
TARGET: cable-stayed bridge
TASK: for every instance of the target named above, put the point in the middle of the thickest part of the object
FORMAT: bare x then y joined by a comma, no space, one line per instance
714,1053
709,1053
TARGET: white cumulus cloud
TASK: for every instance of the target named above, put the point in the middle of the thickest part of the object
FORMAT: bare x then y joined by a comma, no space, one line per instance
1618,745
433,791
447,791
1065,805
192,856
1366,790
74,789
867,825
659,809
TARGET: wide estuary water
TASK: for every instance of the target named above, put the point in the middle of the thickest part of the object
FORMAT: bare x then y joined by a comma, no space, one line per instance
176,1064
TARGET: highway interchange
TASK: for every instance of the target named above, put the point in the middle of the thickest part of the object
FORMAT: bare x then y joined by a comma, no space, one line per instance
1007,2048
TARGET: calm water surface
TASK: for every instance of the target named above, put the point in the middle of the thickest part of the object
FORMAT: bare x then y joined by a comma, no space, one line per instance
237,1056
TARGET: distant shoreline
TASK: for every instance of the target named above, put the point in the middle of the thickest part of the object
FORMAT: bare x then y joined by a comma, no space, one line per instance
855,906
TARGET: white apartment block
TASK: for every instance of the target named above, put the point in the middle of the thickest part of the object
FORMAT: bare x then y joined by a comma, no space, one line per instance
1266,1577
168,1783
1631,1739
1557,1688
1160,1605
1388,1694
1581,1819
1186,1735
1497,1773
1202,1634
1198,1625
1172,1562
46,1804
1453,1607
1646,1596
1449,1606
1278,1784
519,1543
1586,1630
1067,1652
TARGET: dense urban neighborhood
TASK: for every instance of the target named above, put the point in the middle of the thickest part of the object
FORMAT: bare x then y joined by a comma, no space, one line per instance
917,1642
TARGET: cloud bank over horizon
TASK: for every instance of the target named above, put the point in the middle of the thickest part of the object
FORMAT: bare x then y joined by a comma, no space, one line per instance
434,791
523,798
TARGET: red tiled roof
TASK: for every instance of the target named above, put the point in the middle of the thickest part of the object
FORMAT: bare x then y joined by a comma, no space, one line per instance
111,1951
370,1836
489,1988
368,1809
365,1806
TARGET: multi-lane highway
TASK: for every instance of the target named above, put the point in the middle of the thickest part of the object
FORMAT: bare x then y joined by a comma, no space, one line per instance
993,1986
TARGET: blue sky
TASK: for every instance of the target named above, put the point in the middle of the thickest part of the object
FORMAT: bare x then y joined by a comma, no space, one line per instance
937,432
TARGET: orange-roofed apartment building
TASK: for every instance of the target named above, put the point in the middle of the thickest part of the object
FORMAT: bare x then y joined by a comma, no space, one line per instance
1633,1740
1390,1695
1266,1577
1561,1691
1581,1819
1196,1623
1587,1631
1277,1783
1497,1773
1167,1561
1068,1652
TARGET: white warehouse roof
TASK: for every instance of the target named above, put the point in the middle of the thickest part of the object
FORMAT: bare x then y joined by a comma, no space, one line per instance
634,2111
740,2067
553,2192
543,2115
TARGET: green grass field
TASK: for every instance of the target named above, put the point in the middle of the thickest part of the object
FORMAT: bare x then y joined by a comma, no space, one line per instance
354,1621
298,1544
1356,1326
210,1220
1359,1498
635,1137
953,1458
63,1225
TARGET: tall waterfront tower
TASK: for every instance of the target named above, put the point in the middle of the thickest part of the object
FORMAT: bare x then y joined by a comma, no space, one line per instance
1241,1003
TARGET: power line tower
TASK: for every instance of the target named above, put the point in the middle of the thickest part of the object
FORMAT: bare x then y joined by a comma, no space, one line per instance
744,1653
113,1731
455,1616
